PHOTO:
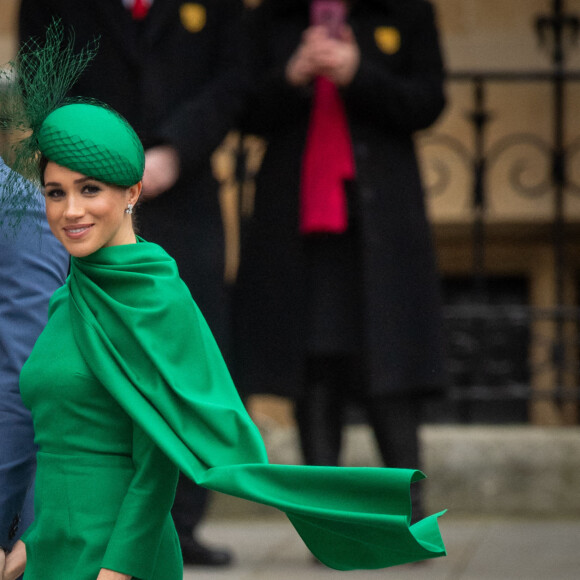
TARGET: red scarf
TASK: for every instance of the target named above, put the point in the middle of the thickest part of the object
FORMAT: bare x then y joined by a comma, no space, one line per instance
139,9
327,162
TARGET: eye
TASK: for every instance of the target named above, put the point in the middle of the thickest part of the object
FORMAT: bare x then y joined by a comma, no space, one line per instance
91,189
54,193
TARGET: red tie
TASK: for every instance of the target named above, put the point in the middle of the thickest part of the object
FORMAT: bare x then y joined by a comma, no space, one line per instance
139,9
327,162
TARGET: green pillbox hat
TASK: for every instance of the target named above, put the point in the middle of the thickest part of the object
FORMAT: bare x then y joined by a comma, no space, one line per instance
95,141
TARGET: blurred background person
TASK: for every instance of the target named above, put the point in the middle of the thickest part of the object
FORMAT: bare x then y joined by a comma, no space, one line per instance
338,293
172,69
32,266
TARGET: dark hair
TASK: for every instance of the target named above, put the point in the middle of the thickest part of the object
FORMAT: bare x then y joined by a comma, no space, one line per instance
42,163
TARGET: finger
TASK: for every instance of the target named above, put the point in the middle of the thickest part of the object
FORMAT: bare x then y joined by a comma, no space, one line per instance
346,34
315,34
324,52
328,61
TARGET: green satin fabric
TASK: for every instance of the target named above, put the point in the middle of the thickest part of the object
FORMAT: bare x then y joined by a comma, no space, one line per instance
144,338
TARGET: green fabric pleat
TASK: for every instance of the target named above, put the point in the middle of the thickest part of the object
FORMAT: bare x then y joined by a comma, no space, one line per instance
142,335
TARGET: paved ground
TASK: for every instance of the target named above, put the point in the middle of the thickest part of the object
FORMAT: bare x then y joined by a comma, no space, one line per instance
478,549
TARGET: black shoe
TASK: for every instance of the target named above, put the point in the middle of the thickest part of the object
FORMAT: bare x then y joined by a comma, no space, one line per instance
196,554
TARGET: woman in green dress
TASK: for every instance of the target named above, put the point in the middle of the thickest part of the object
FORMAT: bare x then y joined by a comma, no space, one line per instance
127,386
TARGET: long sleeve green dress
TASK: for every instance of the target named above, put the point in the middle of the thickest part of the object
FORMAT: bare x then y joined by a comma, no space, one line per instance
127,386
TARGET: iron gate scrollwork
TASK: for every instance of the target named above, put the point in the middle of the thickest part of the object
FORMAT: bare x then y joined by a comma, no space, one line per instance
477,324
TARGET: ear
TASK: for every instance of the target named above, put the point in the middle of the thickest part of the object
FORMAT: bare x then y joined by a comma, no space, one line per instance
134,192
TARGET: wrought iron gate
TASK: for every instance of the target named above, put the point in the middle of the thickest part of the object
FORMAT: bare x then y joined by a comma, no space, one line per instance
489,373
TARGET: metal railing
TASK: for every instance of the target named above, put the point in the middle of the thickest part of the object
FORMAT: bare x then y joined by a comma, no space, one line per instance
477,325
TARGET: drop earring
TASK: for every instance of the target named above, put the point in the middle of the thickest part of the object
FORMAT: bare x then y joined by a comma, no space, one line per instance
129,209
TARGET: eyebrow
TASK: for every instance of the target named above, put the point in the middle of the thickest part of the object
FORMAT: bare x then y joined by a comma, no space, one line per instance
81,180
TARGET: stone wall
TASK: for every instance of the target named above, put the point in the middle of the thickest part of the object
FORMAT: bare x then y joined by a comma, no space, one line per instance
516,470
8,13
495,34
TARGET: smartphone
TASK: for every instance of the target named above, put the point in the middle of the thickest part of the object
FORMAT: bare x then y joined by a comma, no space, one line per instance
328,13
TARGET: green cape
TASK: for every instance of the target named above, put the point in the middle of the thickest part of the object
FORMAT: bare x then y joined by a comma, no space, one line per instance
144,338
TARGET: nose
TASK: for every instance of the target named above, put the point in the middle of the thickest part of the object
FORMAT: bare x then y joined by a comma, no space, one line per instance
74,207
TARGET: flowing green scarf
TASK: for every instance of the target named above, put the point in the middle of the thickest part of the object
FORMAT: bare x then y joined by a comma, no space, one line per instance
144,338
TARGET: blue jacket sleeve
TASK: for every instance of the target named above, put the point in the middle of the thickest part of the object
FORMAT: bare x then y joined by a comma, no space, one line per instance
33,264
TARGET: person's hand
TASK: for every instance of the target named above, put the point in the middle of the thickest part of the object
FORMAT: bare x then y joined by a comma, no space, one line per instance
15,562
336,58
105,574
347,58
300,69
2,563
161,171
303,66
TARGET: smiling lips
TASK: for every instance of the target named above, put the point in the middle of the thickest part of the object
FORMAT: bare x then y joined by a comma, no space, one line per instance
77,231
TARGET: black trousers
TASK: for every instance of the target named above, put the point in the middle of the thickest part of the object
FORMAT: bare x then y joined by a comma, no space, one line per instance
189,506
321,413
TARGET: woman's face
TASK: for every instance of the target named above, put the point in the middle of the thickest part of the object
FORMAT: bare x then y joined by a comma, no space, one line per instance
84,214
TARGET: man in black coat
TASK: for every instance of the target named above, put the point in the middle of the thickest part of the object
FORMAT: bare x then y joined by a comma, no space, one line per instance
172,68
328,315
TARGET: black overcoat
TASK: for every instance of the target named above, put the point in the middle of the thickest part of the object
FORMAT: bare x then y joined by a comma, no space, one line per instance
397,90
177,78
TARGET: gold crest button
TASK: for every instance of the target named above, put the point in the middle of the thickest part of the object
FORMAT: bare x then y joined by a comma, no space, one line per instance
388,39
193,16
